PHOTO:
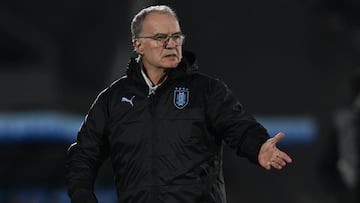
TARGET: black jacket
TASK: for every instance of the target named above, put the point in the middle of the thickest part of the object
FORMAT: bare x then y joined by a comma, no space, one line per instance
165,147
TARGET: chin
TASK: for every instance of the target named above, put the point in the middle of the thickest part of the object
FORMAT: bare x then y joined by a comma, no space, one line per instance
171,65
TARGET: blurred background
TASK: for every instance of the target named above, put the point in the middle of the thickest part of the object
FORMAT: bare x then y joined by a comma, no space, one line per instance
294,64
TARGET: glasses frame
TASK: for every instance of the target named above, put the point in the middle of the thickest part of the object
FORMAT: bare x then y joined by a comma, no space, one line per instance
159,38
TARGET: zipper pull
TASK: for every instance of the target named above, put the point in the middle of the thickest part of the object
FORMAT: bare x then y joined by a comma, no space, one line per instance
151,92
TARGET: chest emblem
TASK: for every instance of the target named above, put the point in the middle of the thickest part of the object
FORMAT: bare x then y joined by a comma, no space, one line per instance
181,97
130,101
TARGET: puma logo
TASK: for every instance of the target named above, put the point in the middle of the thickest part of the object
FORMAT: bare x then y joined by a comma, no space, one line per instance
130,101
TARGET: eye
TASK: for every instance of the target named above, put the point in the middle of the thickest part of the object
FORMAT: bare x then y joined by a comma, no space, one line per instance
160,37
177,36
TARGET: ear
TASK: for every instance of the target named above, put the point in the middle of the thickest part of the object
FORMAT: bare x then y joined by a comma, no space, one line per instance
138,46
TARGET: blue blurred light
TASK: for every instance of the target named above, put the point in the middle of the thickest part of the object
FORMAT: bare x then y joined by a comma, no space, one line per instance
297,129
39,126
54,126
44,195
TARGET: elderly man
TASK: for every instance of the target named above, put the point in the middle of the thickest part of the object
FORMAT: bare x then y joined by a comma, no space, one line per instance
163,125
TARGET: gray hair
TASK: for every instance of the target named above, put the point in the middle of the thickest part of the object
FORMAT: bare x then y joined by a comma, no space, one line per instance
137,21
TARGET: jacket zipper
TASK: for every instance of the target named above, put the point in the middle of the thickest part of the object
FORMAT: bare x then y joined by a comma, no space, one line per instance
154,173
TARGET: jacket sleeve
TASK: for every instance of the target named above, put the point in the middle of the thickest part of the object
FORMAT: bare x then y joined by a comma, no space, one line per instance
233,124
86,155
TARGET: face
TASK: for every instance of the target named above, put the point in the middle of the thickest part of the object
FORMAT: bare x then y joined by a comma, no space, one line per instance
157,56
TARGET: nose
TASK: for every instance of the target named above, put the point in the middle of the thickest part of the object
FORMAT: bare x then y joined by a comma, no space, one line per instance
170,43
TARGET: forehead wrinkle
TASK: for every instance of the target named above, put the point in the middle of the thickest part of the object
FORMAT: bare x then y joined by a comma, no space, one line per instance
160,23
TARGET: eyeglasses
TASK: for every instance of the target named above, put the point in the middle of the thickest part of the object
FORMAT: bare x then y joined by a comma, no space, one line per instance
163,39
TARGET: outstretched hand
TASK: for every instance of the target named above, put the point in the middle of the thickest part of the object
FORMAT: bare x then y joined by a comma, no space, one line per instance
270,156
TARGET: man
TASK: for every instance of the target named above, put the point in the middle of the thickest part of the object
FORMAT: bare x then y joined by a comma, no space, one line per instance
163,125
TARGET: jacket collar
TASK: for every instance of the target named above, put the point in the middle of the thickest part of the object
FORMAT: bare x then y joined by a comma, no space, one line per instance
188,65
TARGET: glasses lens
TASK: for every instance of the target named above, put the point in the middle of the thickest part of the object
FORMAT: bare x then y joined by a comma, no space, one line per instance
163,39
178,39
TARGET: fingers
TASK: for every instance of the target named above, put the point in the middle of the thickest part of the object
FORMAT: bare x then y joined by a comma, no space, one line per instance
276,165
278,161
280,153
285,157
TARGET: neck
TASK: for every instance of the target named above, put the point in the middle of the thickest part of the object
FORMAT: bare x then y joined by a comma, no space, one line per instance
156,76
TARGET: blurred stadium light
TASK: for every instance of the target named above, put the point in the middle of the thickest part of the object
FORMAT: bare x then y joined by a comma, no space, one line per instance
53,126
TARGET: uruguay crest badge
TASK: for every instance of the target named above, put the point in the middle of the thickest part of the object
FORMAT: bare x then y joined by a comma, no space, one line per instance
181,97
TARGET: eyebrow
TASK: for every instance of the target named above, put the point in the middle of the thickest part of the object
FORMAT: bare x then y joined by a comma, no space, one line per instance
170,34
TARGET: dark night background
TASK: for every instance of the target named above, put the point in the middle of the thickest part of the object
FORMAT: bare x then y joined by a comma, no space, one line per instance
294,64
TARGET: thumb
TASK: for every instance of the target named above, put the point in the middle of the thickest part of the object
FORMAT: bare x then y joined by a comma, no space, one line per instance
278,137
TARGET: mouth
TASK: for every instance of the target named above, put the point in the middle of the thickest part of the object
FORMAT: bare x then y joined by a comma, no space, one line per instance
170,55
